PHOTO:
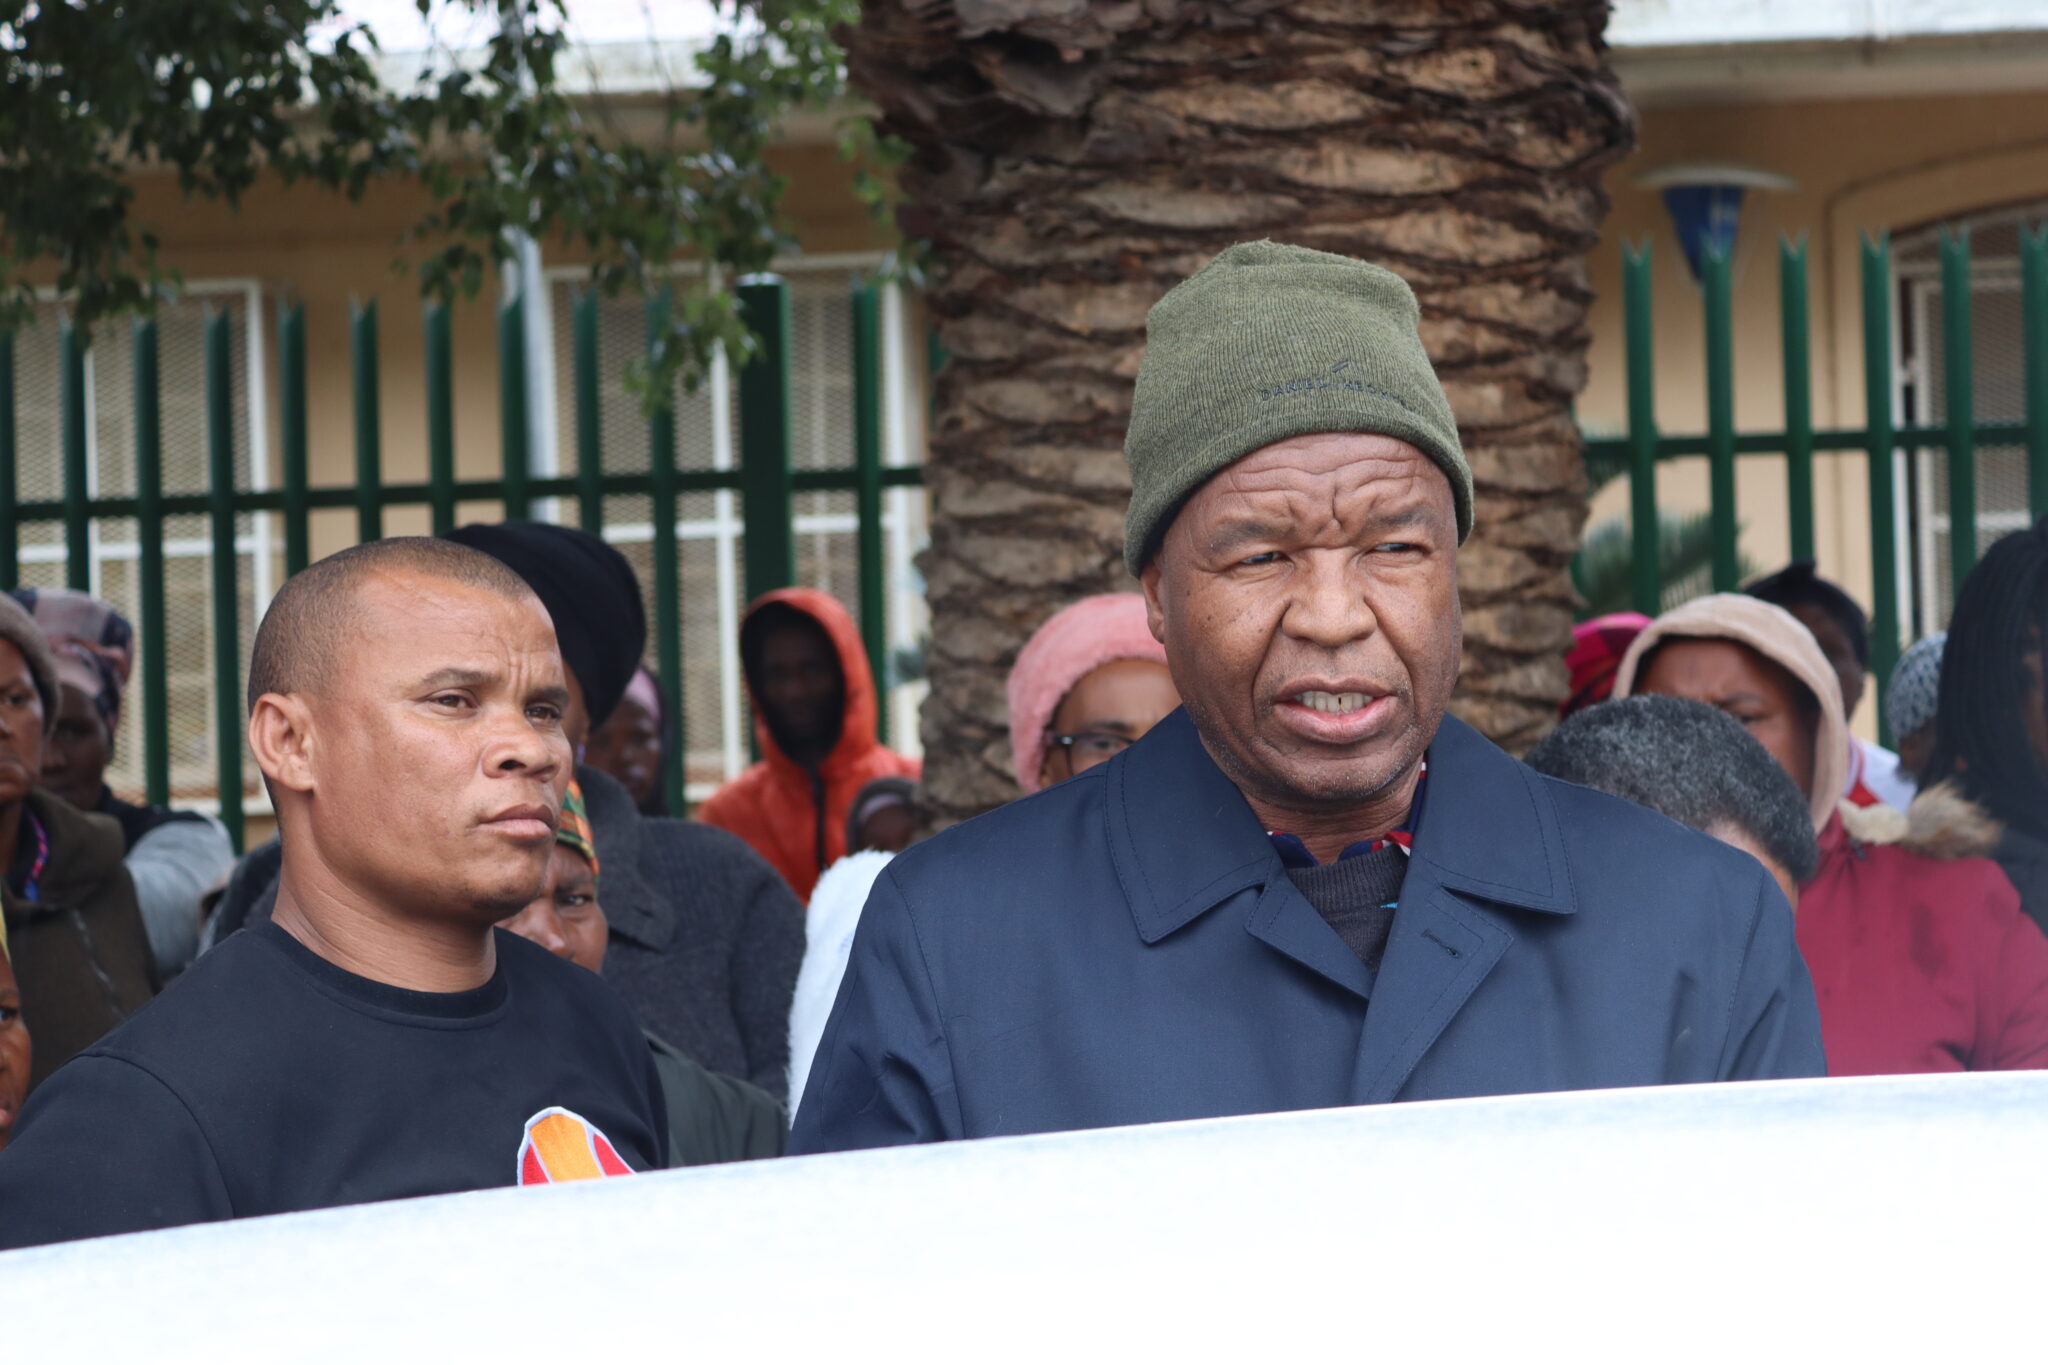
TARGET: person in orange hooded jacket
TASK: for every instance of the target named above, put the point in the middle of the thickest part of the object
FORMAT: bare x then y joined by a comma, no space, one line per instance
814,714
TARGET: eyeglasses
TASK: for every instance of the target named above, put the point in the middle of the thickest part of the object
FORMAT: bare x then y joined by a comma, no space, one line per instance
1090,747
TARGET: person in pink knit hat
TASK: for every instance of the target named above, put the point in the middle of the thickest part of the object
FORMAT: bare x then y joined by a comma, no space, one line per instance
1085,687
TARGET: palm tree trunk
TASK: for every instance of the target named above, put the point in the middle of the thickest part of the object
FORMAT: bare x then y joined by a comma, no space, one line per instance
1073,161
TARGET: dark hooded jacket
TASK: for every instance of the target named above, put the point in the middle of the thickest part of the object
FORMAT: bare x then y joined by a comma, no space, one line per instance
1127,947
712,1118
787,814
706,939
1946,823
2024,857
81,953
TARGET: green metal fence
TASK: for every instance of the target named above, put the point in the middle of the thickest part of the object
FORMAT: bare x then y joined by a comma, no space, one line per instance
763,479
1960,435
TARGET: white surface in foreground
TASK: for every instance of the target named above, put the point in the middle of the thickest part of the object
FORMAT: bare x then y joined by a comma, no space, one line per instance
1636,24
1808,1220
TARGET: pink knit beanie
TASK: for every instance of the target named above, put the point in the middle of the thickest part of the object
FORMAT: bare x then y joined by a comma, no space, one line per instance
1074,643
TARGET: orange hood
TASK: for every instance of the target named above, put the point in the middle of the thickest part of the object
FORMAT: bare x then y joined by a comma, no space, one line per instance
857,728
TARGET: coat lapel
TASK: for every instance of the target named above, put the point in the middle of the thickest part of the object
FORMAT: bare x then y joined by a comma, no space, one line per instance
1440,950
1180,834
1486,845
1284,919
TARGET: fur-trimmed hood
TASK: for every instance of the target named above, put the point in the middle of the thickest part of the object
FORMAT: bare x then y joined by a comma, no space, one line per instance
1941,823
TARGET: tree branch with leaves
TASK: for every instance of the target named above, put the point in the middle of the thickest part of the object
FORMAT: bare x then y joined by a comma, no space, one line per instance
224,93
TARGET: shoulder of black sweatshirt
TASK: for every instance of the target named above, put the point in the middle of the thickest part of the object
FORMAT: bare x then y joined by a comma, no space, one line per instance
706,936
268,1080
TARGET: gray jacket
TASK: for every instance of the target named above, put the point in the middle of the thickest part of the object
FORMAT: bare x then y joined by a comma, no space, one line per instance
173,866
706,936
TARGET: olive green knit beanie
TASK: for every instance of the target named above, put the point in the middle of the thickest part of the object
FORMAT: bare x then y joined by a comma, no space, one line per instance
1270,341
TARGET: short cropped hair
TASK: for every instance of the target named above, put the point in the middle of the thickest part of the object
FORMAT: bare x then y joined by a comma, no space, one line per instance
1799,584
313,614
1688,761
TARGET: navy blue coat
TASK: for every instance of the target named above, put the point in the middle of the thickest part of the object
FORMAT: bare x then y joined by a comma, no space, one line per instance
1126,947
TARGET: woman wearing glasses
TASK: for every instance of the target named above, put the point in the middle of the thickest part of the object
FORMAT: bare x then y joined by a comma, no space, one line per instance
1086,687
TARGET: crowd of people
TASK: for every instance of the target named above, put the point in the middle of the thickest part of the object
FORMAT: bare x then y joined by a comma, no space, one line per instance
1258,864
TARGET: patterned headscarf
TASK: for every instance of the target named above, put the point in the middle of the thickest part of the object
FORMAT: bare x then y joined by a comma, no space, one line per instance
575,830
1597,647
1909,703
94,644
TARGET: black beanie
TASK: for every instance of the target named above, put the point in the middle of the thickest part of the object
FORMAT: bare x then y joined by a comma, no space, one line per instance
590,591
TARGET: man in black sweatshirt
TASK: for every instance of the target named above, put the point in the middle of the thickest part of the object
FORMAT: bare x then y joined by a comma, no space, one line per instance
377,1038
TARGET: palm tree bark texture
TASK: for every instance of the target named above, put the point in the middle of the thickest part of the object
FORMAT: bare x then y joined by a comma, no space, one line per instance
1074,159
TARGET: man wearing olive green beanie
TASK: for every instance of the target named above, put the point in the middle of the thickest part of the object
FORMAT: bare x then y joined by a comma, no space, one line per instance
1197,927
1267,342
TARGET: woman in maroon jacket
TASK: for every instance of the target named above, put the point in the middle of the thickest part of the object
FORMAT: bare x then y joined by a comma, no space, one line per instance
1919,963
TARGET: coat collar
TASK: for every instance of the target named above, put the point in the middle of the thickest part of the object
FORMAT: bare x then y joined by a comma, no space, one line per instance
1183,840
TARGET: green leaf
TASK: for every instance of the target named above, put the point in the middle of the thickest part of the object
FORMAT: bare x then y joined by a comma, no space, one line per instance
224,94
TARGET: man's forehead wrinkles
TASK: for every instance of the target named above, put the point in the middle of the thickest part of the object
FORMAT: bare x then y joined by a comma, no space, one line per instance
1403,497
1360,476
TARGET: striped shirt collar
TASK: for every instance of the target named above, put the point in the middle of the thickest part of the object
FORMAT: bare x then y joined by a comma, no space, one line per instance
1294,852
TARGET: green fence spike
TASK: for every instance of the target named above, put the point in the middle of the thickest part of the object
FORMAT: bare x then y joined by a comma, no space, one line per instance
867,444
152,623
589,419
517,467
767,504
1646,575
668,607
10,486
291,368
1959,400
362,335
1796,338
71,411
2034,324
1715,296
440,376
1879,443
765,480
227,652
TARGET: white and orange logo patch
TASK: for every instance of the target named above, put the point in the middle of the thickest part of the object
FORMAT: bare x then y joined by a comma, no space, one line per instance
561,1144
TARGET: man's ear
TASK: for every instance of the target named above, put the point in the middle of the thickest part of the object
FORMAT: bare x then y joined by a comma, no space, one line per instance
281,737
1155,610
